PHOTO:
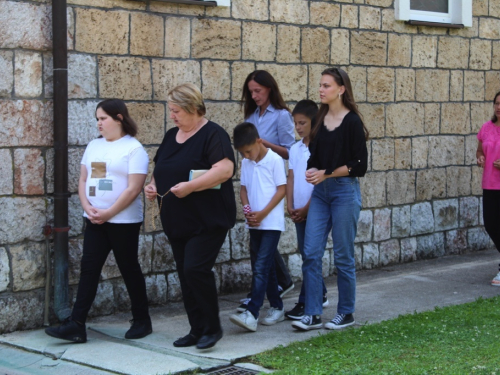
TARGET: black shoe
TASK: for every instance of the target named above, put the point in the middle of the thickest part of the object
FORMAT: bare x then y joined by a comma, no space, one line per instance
140,328
207,341
68,330
308,322
244,305
297,312
325,301
286,289
340,321
188,340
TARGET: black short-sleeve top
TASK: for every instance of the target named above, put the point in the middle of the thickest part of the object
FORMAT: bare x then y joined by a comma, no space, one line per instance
203,210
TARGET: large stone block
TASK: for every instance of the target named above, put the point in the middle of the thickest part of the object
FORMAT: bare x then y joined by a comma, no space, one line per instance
177,37
156,286
225,251
102,31
105,299
29,170
315,45
402,153
368,48
455,118
373,189
408,249
370,256
422,219
405,85
478,239
358,77
110,269
380,85
432,85
480,54
446,150
469,212
445,214
401,221
340,47
370,18
430,246
389,252
424,51
399,53
288,49
477,177
28,261
259,41
169,73
6,172
75,250
479,114
480,8
467,32
376,115
492,84
325,14
453,53
400,187
458,181
28,74
390,24
382,224
289,11
295,267
125,78
432,118
292,79
495,59
365,225
288,238
239,72
162,257
227,115
82,80
240,242
174,292
48,75
380,3
236,276
383,154
25,25
456,85
82,125
150,119
494,9
250,9
31,212
145,252
398,125
456,241
146,34
431,183
216,80
419,150
489,28
473,86
21,311
7,78
4,270
349,17
216,39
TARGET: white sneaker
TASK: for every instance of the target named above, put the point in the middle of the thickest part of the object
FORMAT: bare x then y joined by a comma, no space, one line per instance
245,320
496,280
273,316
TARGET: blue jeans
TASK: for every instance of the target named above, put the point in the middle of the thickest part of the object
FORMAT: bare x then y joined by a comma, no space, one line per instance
300,228
264,243
337,199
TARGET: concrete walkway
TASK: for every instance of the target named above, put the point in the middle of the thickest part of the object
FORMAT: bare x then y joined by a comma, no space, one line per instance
381,294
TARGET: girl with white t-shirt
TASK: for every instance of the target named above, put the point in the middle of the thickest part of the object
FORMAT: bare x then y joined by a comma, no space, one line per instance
112,174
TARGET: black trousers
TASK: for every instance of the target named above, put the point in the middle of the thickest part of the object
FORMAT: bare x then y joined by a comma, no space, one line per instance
491,215
98,241
195,257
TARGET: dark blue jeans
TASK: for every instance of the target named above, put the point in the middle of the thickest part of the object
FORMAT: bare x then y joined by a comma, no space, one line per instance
265,244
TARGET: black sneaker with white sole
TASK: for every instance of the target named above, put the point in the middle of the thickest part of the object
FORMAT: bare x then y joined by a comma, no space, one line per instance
244,305
297,312
340,321
325,301
308,322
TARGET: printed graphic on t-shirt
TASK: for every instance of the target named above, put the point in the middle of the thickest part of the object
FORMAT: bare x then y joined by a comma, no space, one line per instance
91,191
98,169
106,184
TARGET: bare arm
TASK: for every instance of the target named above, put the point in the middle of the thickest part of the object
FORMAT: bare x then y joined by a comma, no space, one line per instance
280,150
82,194
480,154
289,192
150,189
314,176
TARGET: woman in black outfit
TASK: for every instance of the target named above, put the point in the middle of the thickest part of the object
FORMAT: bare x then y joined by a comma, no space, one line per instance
196,214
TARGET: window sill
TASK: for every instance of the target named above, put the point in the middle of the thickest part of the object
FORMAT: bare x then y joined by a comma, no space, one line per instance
435,24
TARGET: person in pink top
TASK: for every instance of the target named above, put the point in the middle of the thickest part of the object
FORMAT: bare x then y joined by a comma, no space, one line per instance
488,158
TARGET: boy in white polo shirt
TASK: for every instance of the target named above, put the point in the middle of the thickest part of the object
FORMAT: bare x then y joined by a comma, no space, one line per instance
298,190
263,186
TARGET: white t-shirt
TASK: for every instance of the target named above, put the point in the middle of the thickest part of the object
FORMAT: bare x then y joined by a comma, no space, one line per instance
302,190
261,181
108,166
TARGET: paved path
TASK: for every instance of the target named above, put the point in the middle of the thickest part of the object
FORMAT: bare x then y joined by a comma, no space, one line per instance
381,294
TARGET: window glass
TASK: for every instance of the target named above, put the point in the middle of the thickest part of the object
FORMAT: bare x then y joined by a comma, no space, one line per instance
440,6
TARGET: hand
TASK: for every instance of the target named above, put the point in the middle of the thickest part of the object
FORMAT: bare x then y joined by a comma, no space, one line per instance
100,216
182,189
150,191
254,218
301,214
314,176
481,160
496,164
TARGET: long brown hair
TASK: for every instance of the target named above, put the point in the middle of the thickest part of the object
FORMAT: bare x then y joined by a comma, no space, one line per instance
494,119
115,107
342,79
263,78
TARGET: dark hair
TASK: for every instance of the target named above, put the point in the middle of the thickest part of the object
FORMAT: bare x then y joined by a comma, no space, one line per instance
245,134
115,107
495,118
342,79
265,79
307,108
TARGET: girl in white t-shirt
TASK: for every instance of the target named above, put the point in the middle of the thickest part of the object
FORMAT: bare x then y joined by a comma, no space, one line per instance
112,174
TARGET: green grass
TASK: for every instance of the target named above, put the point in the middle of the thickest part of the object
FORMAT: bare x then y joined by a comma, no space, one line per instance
462,339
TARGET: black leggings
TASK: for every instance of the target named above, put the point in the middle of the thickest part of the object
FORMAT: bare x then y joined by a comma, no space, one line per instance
98,241
491,215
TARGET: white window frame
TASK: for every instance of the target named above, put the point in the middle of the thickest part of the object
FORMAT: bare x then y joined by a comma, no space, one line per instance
460,13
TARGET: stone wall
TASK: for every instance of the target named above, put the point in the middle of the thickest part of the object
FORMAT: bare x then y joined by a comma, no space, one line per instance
424,93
